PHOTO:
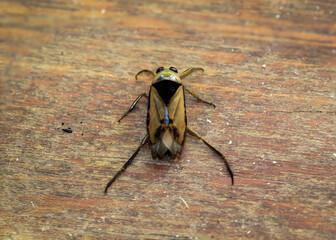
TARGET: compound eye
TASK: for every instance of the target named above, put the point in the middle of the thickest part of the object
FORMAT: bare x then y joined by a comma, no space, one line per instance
159,69
173,69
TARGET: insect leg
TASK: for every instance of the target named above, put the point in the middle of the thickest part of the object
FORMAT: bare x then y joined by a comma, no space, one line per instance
191,132
144,71
190,70
198,98
133,105
129,161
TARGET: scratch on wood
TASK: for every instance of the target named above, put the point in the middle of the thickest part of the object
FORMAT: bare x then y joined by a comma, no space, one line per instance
185,203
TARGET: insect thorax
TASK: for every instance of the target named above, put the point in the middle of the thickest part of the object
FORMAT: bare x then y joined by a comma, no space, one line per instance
166,89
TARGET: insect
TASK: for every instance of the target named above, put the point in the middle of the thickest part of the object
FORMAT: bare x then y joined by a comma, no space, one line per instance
166,117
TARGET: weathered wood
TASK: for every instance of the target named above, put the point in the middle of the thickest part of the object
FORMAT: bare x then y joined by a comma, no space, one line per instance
269,68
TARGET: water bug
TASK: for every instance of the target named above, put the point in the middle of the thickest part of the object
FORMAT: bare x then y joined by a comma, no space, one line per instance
167,117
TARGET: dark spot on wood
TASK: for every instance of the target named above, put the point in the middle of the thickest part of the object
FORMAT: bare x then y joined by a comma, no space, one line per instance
67,130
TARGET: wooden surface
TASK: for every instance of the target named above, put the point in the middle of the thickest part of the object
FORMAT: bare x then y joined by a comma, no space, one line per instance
269,68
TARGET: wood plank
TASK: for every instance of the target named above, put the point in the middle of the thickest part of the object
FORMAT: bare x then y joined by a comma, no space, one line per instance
270,69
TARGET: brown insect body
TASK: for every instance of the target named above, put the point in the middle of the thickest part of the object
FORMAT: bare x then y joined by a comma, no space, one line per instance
167,117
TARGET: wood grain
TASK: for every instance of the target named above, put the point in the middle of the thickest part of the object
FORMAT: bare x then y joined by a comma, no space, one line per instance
270,69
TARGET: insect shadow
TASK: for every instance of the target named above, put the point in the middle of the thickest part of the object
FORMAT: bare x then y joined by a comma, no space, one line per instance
166,117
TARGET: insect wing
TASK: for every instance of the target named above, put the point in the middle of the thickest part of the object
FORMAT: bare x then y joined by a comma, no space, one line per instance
177,112
166,125
155,116
156,112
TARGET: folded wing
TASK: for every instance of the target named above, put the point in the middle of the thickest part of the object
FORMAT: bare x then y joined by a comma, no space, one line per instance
166,123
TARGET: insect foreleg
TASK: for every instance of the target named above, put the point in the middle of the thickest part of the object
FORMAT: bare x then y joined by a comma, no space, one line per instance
144,71
198,98
129,161
190,70
133,105
191,132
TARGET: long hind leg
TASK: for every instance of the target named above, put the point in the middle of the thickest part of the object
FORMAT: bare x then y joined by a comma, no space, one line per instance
191,132
129,161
